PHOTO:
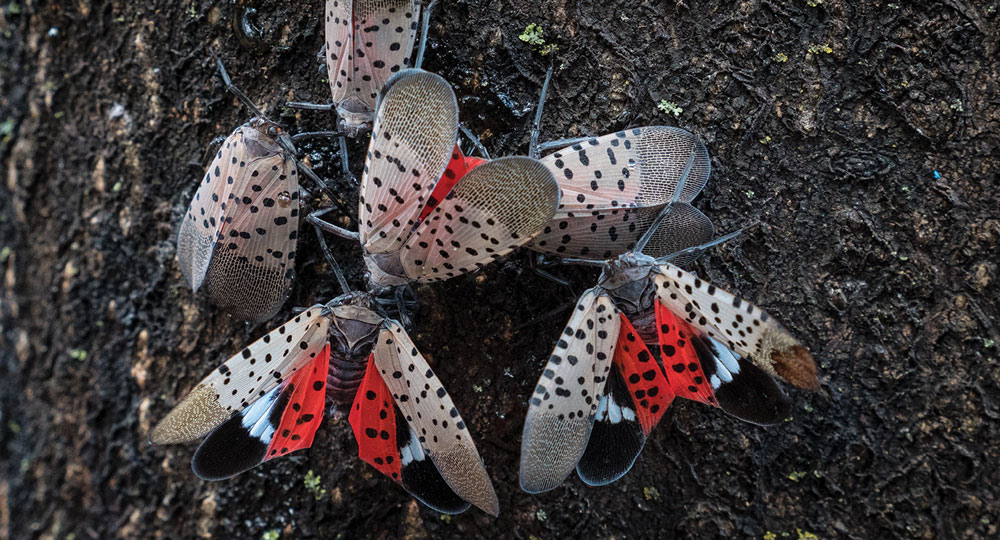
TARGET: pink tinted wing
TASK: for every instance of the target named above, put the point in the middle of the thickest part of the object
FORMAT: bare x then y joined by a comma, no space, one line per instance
614,186
412,141
562,408
304,411
738,325
245,377
636,167
339,50
634,398
457,167
384,35
495,207
373,420
434,428
254,262
283,420
203,221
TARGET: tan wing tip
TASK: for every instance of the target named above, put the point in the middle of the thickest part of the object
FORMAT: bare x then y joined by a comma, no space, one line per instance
191,419
489,502
795,365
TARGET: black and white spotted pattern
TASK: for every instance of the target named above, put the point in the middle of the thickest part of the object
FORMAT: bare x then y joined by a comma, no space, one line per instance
411,145
613,186
367,41
493,209
562,408
239,235
737,324
433,417
245,377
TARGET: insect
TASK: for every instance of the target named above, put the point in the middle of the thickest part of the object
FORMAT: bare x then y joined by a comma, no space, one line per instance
367,42
268,400
614,186
238,237
414,227
602,390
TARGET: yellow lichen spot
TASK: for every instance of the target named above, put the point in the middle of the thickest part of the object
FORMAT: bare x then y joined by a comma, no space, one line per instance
781,58
815,48
273,534
669,107
804,535
770,536
651,493
533,35
312,482
446,518
795,476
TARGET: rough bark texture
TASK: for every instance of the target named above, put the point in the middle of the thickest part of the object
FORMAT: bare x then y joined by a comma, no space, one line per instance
856,141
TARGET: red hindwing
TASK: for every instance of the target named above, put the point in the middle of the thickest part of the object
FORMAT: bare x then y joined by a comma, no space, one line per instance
304,412
373,420
680,360
647,386
457,167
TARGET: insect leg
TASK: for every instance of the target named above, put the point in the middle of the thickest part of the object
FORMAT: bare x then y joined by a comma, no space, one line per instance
310,106
535,262
425,22
337,272
314,219
475,141
537,125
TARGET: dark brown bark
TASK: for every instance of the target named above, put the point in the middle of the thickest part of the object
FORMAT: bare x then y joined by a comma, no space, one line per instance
857,141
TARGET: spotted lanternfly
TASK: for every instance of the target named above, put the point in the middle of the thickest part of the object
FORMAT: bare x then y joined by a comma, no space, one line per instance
603,391
268,400
415,228
614,186
367,41
238,237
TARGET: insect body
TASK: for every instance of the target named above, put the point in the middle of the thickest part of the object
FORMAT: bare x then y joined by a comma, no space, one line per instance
614,186
415,227
268,400
238,237
367,41
602,390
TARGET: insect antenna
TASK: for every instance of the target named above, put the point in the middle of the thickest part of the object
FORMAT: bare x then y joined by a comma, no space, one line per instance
230,87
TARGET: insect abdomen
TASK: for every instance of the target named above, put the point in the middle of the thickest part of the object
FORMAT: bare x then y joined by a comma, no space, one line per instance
347,369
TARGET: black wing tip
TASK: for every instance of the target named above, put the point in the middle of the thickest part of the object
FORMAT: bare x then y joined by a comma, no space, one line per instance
612,451
754,396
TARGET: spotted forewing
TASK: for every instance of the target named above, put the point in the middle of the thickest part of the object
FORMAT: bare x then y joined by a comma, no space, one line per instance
367,41
411,145
562,407
420,224
614,186
238,237
268,400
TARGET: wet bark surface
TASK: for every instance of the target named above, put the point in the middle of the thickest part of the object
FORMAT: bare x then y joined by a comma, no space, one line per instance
855,141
